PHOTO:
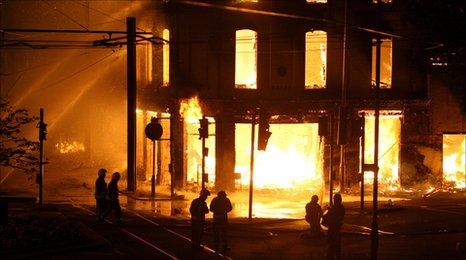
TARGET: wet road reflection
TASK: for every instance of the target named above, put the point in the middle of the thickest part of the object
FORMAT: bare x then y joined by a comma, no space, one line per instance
266,204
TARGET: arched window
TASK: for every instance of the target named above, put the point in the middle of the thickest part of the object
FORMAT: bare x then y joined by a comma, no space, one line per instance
315,73
246,59
166,58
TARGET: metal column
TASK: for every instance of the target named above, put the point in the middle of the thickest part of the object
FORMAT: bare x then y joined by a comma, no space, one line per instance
131,102
251,175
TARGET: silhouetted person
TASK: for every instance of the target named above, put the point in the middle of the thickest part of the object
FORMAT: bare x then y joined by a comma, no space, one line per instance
100,193
198,210
333,219
313,215
220,206
112,198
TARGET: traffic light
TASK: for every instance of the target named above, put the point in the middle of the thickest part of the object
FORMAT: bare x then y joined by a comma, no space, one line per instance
264,133
42,131
204,128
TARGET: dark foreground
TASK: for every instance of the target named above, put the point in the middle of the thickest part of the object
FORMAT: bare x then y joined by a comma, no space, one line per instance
429,228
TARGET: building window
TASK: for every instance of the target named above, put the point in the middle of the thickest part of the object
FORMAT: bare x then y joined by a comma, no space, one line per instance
315,60
247,1
316,1
166,58
385,63
144,65
383,1
246,59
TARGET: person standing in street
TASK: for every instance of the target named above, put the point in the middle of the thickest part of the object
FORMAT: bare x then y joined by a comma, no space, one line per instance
198,209
333,219
220,206
100,193
112,198
313,215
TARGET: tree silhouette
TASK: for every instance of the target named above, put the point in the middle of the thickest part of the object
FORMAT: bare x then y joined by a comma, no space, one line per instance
16,151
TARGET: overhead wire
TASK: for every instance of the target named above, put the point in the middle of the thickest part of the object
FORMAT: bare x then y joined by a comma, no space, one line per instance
67,16
105,14
76,72
40,65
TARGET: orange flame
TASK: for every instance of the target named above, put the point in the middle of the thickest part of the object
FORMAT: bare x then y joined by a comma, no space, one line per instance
389,150
190,110
454,160
293,158
70,147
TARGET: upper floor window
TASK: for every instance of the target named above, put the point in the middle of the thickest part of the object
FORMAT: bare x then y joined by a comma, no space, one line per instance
385,63
166,58
246,59
144,67
383,1
315,60
317,1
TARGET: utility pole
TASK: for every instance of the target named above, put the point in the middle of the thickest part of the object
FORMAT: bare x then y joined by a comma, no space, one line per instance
375,225
362,164
131,101
42,138
205,134
342,122
330,174
251,166
152,179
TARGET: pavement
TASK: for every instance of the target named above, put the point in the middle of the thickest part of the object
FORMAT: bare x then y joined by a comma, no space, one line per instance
429,228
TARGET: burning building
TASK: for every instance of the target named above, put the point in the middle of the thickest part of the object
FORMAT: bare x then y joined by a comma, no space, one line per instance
282,61
303,71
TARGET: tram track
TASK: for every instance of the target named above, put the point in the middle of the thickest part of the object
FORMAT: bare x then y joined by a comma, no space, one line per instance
166,242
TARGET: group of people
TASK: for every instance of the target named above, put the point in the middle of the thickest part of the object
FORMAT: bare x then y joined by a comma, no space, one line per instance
332,219
106,196
219,206
107,201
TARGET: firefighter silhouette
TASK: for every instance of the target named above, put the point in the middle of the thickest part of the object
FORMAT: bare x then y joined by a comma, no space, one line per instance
198,209
112,198
100,193
333,219
313,215
220,206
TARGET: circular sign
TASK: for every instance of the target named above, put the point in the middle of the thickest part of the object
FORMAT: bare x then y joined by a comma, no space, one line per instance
154,130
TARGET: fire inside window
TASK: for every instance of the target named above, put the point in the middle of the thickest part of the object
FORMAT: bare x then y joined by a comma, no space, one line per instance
383,1
293,159
315,60
454,161
317,1
246,59
385,63
247,1
166,58
389,147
